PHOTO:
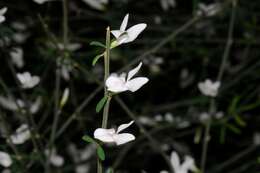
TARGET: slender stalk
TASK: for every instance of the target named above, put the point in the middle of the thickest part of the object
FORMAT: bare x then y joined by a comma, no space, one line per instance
212,107
106,94
57,110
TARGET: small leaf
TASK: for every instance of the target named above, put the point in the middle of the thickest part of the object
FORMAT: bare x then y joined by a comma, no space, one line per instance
96,43
101,104
233,128
88,139
96,59
239,120
197,137
101,153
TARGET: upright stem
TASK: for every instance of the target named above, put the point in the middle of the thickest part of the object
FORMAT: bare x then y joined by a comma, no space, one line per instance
212,106
106,94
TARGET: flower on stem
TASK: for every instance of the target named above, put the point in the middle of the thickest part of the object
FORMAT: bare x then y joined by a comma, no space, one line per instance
21,135
5,159
117,84
125,36
114,136
55,159
187,165
2,12
17,57
209,88
27,80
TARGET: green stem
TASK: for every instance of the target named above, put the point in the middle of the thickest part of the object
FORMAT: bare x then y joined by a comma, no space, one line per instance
106,74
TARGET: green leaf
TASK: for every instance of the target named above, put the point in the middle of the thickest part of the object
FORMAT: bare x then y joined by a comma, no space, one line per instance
96,43
101,153
88,139
233,128
197,136
101,104
239,120
96,59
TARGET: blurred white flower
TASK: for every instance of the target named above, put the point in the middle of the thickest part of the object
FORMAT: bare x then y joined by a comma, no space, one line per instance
208,10
20,37
2,12
97,4
256,138
55,159
209,88
41,1
5,159
204,116
21,135
71,47
125,36
167,4
17,57
122,83
8,103
114,136
6,171
82,168
187,165
27,80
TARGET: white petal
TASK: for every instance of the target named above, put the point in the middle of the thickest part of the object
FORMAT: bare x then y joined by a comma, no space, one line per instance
123,138
2,19
115,84
124,23
188,164
104,135
175,160
8,103
5,159
3,10
134,31
116,33
134,71
95,4
136,83
57,160
36,105
124,126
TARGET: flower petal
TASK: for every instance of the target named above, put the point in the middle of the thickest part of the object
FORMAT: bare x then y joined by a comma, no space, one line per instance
134,31
175,160
134,71
115,84
124,23
124,126
136,83
5,159
3,10
104,135
123,138
116,33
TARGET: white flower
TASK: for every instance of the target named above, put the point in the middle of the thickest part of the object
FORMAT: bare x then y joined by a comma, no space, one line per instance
209,88
208,10
113,136
125,36
41,1
167,4
55,159
27,80
17,57
97,4
122,83
82,168
5,159
21,135
256,138
187,165
65,97
2,12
